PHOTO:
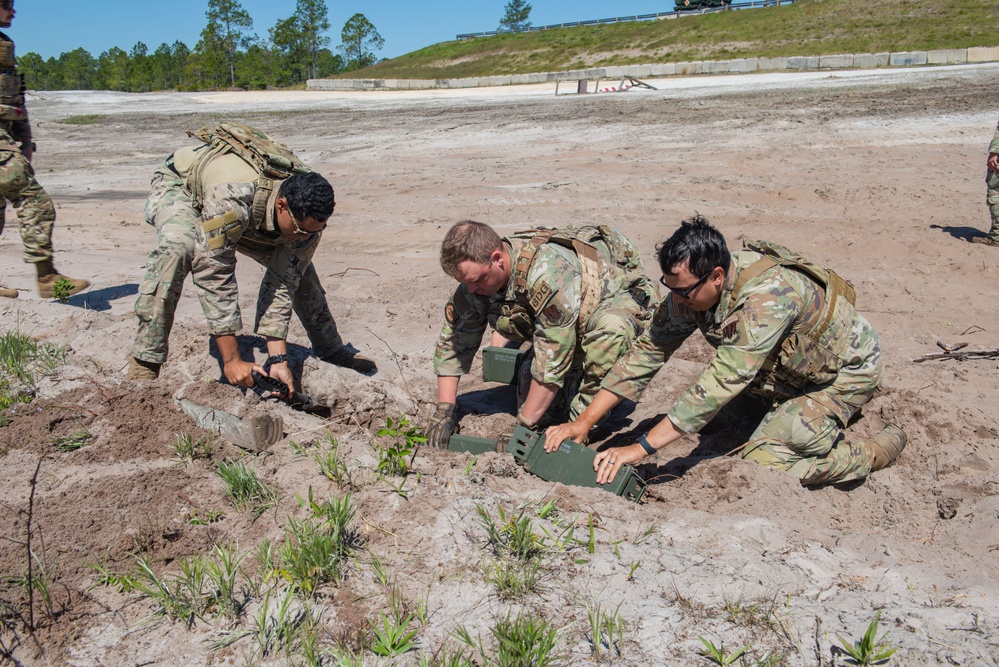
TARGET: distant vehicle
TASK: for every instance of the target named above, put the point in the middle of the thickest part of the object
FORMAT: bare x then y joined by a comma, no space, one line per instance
687,5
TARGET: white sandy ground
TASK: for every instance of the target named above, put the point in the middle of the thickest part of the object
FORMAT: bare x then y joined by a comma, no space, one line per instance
879,174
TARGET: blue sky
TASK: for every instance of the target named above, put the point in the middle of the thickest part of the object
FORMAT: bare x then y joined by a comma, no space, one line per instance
51,27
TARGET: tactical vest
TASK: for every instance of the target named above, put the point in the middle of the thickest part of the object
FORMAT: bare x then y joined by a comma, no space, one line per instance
273,162
11,83
809,354
517,321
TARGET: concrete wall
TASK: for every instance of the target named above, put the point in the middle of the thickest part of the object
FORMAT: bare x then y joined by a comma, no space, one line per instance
979,54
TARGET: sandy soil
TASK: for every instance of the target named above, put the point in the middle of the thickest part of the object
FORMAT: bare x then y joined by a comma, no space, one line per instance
876,174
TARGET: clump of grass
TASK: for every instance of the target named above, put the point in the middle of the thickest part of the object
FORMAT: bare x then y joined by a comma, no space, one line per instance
244,488
82,119
606,629
869,650
332,466
393,636
72,442
186,447
515,572
24,360
524,640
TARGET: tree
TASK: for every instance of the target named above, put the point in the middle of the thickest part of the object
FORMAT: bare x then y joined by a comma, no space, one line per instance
359,37
515,16
226,31
289,49
313,21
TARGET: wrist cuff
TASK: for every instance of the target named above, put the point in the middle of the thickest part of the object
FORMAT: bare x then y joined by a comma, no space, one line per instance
277,359
643,440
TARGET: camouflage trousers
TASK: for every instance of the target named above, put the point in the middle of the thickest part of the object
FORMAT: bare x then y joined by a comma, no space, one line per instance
992,199
805,434
611,331
171,211
34,208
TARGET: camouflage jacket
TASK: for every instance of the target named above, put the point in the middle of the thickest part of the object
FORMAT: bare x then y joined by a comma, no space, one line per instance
285,260
770,309
554,290
994,146
13,113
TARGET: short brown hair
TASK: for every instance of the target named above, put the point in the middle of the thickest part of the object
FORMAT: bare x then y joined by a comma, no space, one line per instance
468,241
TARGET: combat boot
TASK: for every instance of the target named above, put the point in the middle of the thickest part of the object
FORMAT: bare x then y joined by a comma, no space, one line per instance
48,276
885,446
985,240
347,359
8,292
142,371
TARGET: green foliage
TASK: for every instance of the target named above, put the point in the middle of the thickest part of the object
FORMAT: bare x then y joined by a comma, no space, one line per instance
73,441
404,438
62,290
332,466
23,361
512,579
393,637
515,16
359,40
521,641
606,628
41,580
869,650
186,447
244,488
716,654
513,536
83,119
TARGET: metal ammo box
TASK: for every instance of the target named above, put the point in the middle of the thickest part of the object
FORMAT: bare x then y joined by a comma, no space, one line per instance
571,463
501,364
470,444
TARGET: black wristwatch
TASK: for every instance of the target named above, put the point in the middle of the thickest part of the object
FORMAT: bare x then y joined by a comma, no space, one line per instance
277,359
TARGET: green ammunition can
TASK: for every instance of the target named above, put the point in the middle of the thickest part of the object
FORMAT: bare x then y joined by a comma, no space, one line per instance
501,364
571,463
470,444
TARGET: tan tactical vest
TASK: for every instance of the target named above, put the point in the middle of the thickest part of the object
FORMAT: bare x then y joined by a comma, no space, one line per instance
810,353
11,83
580,240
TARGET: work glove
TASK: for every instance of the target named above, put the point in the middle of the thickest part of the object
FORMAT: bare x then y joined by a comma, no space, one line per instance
441,425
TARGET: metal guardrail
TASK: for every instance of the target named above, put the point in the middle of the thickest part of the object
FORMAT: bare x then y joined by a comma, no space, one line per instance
630,19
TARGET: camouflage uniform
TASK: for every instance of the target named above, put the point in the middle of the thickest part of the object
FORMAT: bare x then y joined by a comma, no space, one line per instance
18,186
289,283
803,430
566,354
992,192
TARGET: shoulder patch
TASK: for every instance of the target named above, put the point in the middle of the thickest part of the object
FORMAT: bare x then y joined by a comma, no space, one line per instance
661,316
540,297
551,313
449,314
730,329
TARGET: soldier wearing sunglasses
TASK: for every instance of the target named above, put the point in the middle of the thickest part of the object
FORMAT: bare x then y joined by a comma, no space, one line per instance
34,208
786,334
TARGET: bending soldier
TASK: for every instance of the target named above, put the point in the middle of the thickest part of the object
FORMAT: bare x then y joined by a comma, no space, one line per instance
992,192
785,331
579,294
207,202
35,212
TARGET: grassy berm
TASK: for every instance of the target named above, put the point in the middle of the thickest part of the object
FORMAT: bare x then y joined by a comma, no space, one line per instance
808,27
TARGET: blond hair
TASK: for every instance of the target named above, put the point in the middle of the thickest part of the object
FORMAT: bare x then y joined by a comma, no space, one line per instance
468,241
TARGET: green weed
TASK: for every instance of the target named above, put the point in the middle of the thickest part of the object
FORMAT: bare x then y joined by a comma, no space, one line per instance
244,488
62,290
404,438
511,578
72,442
606,628
524,640
198,517
332,466
393,637
869,650
513,536
82,119
716,654
187,448
41,580
23,361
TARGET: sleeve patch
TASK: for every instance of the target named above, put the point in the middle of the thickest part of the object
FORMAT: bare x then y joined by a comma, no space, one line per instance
449,314
540,297
730,329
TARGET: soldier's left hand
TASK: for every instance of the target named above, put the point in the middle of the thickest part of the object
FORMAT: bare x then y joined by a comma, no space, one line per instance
609,461
283,373
238,372
993,161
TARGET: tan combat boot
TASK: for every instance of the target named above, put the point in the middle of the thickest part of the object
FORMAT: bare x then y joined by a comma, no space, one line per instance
885,446
142,371
47,277
8,292
985,240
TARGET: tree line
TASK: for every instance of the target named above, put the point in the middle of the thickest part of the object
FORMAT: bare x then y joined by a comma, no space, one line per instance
227,55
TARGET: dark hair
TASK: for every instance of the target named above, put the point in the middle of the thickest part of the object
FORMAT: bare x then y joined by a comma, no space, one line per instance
468,241
698,244
309,195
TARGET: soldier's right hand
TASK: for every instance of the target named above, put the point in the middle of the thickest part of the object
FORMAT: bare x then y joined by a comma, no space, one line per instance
441,425
575,431
238,372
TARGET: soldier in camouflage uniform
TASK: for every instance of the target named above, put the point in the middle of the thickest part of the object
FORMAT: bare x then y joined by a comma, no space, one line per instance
18,186
992,192
579,294
203,238
780,334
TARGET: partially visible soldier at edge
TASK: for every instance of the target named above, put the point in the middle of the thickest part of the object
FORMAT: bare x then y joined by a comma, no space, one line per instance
34,208
579,294
782,335
278,223
992,192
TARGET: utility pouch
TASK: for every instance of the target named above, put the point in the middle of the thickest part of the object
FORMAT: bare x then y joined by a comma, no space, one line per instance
570,464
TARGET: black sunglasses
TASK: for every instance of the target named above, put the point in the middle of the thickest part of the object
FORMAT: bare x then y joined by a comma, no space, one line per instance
7,4
685,292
